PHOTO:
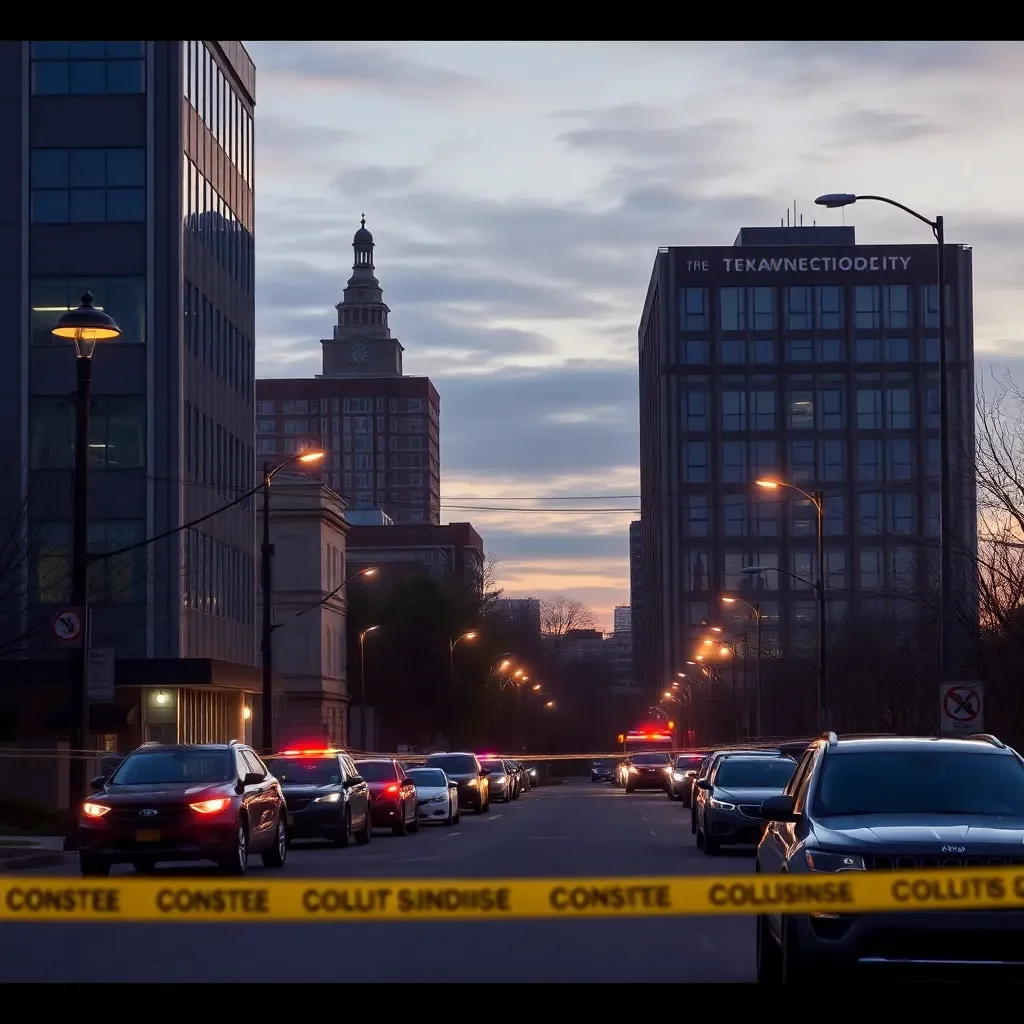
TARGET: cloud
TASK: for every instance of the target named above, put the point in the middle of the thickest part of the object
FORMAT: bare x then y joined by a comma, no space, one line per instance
374,180
880,128
336,65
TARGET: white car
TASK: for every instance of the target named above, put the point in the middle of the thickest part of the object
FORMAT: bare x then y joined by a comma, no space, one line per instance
437,796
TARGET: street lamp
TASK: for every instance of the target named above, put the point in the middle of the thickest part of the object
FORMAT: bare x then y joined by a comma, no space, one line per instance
267,584
85,326
947,626
818,500
362,685
550,704
366,574
452,644
755,610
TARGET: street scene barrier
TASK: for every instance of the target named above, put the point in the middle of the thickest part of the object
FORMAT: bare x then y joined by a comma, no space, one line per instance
851,892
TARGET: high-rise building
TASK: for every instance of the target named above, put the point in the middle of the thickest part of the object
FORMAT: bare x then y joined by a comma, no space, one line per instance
800,356
128,173
636,597
621,619
379,427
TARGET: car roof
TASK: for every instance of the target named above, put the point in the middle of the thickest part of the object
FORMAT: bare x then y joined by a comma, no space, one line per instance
159,748
451,753
911,744
375,760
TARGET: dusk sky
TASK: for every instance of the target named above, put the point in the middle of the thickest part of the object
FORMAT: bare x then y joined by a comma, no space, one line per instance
518,193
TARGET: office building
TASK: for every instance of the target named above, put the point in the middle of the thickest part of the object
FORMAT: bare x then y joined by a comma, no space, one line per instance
636,597
799,355
379,427
128,172
621,619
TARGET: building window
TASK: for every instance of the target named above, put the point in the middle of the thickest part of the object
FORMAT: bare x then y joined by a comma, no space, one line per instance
732,311
835,569
124,298
744,309
119,579
763,460
830,307
694,302
734,515
804,568
930,302
901,513
869,512
832,461
264,408
762,303
697,569
762,410
830,408
801,460
903,576
696,410
800,313
897,305
901,457
803,518
872,569
50,581
697,515
801,410
116,433
869,459
764,518
897,409
932,408
88,186
835,515
830,350
733,351
764,350
734,410
734,462
868,310
868,350
65,68
800,350
897,350
931,517
697,462
869,409
931,350
695,352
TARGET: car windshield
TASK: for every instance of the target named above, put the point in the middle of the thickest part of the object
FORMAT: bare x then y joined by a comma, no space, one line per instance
377,771
921,782
602,764
299,771
650,759
689,761
493,766
427,777
755,773
454,764
175,766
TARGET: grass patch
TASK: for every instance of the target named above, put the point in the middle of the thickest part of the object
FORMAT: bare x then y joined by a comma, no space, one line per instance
29,818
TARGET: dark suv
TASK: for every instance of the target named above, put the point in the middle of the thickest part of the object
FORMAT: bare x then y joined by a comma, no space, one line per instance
466,770
213,801
886,804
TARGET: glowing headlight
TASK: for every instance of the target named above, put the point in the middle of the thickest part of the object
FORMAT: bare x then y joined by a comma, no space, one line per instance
328,798
721,805
677,776
440,798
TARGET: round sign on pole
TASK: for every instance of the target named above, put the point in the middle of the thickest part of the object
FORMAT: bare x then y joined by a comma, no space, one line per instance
67,626
961,704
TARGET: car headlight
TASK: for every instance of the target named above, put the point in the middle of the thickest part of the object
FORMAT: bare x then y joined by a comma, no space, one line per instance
819,860
499,780
677,776
327,798
632,770
472,782
438,799
91,810
721,805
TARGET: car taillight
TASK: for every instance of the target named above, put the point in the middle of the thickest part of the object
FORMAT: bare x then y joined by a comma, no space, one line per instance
94,810
211,806
393,789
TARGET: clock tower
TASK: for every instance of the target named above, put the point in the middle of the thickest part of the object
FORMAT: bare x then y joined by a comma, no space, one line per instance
362,345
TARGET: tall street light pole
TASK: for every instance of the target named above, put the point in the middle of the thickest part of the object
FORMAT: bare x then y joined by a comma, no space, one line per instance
948,664
85,326
452,644
267,586
818,500
362,685
755,610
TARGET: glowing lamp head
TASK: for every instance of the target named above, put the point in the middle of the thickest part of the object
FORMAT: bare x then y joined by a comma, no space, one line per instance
86,325
728,600
768,485
247,713
161,698
311,456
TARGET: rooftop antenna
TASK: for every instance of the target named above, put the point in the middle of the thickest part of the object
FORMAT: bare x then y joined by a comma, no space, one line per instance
787,217
801,220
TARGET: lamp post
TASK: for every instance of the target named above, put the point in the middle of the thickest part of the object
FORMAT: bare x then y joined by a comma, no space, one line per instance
818,500
947,623
452,644
755,610
267,585
362,685
707,702
85,326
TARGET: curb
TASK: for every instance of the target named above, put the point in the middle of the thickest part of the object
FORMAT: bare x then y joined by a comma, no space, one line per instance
35,860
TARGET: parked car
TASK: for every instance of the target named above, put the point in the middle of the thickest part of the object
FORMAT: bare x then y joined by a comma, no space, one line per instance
502,779
392,795
466,770
184,802
602,771
684,771
437,796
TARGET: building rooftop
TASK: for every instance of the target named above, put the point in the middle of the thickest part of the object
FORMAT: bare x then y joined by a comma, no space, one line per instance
783,235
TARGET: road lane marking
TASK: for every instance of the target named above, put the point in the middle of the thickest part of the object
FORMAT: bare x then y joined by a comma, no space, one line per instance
494,817
450,835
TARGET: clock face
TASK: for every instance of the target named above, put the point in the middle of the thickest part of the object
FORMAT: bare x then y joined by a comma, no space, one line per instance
358,353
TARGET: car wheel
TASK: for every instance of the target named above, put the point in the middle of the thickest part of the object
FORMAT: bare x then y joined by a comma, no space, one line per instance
508,796
278,853
144,867
450,820
458,815
629,788
712,847
487,804
366,832
93,867
237,861
400,828
344,837
414,825
478,807
769,954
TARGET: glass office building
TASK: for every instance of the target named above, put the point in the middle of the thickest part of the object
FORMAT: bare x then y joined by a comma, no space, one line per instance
798,355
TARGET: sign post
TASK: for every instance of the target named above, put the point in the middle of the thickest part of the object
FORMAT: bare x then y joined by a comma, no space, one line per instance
961,708
101,674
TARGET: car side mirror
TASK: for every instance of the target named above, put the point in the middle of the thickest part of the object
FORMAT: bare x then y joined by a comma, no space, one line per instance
777,808
484,772
689,775
252,779
453,785
98,783
703,784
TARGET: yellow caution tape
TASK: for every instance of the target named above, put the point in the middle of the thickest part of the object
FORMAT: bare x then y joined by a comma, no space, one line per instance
148,899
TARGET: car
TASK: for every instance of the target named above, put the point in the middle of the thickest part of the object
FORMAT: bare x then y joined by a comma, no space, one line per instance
729,811
184,802
622,771
602,771
437,796
466,770
514,773
684,771
708,764
392,795
534,774
501,779
326,796
885,804
648,770
525,779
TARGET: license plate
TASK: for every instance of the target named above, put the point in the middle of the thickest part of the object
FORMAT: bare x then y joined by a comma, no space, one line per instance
291,819
147,835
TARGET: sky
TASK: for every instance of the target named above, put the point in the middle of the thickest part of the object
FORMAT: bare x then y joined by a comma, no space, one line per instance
518,193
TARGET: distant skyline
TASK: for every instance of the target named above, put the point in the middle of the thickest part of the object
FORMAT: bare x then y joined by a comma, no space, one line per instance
518,193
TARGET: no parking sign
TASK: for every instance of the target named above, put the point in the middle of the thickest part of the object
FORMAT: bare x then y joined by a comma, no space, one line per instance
961,708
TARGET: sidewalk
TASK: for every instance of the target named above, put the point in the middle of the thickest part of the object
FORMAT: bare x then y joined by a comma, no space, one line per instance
18,853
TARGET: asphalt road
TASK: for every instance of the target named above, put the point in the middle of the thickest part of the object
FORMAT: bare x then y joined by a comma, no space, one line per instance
576,829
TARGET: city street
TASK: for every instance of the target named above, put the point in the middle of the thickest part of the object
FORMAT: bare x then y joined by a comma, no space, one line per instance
576,829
